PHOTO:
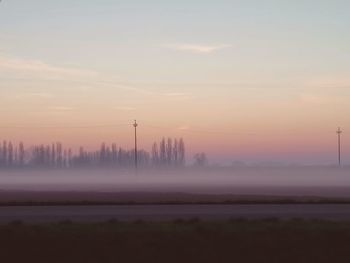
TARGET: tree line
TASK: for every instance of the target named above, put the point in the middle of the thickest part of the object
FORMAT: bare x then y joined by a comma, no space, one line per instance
167,153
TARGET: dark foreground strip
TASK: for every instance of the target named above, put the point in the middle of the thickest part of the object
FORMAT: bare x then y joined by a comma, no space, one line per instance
174,211
177,241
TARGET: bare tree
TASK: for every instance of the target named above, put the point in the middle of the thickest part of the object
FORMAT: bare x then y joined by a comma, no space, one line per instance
182,153
169,152
59,154
200,160
10,154
176,153
155,154
21,154
4,153
162,150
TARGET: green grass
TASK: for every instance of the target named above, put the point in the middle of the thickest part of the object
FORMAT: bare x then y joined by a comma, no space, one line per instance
179,241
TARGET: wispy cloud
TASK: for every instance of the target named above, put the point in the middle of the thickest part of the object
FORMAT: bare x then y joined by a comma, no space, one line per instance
183,128
313,99
177,95
125,108
326,89
126,87
332,81
39,95
36,68
85,80
61,108
197,48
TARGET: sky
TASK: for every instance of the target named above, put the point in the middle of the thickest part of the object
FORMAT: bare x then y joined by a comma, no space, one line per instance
249,80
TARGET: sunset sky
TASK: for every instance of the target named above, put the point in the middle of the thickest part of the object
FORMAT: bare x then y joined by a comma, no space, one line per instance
246,80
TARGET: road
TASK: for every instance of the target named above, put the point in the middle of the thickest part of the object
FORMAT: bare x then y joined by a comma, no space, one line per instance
172,212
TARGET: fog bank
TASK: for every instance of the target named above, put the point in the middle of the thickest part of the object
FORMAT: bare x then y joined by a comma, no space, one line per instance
312,181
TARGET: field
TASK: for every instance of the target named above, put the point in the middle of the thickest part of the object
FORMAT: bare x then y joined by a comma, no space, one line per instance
269,240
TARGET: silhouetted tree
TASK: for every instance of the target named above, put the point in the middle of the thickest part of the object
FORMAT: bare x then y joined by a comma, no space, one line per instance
53,156
169,152
4,153
162,152
70,155
47,156
103,154
176,153
1,156
200,160
65,159
155,154
182,153
10,154
114,154
21,154
59,154
15,158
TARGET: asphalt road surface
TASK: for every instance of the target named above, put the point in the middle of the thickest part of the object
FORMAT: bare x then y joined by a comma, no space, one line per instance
172,212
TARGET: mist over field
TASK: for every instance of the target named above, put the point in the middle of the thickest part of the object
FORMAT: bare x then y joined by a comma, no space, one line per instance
279,181
174,131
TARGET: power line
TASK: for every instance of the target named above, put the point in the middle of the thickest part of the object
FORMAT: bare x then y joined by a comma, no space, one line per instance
190,130
205,131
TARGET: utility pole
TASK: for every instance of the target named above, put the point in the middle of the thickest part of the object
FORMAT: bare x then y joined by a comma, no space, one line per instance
135,125
339,132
